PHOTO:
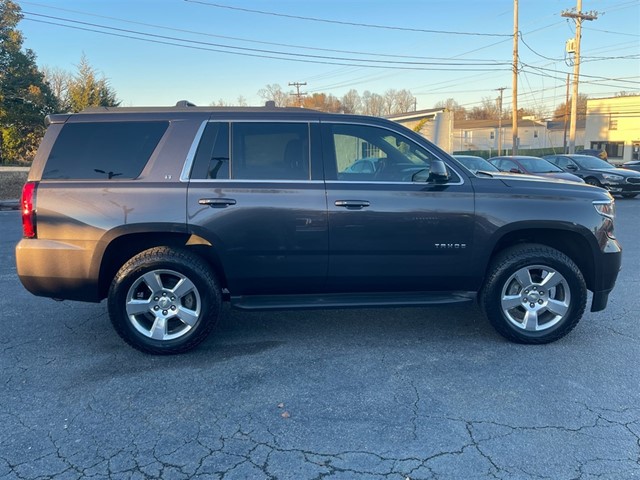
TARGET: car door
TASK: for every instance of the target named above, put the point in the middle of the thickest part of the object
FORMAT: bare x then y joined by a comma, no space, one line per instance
568,165
255,199
387,230
510,166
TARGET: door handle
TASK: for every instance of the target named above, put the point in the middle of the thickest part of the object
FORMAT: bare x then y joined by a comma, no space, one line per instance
352,204
217,202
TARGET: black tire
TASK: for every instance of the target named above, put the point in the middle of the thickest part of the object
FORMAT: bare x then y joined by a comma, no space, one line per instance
164,301
593,181
533,294
629,195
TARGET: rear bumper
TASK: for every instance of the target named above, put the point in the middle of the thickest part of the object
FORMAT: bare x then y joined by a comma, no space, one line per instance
55,269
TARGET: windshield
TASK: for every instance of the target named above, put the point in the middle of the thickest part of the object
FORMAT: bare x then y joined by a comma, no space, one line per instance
538,165
587,161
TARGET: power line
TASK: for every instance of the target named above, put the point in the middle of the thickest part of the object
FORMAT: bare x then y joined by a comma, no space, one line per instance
352,24
226,37
622,79
613,33
536,53
410,65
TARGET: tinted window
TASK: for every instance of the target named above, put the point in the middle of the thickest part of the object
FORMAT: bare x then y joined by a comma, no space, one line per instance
273,151
366,153
505,165
538,165
586,161
476,164
212,156
562,162
103,151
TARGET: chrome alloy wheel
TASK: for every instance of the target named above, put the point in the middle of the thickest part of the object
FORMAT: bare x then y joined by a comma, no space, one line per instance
163,304
535,298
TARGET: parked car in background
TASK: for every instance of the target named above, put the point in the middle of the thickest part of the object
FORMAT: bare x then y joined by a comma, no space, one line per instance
475,163
364,165
601,154
533,166
597,172
633,165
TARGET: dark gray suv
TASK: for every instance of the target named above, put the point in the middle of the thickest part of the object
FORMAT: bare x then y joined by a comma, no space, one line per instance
168,212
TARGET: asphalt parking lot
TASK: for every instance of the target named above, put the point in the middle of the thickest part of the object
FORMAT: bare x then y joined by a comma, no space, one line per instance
414,393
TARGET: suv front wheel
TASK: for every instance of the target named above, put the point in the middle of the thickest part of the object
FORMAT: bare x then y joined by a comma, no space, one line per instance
164,301
534,294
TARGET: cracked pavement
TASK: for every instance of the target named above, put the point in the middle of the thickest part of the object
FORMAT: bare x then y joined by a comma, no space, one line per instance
392,394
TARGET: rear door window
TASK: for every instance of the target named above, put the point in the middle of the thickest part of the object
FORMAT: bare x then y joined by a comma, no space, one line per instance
103,150
273,151
253,151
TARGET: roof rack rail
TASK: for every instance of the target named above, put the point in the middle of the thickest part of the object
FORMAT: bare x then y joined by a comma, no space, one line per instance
185,103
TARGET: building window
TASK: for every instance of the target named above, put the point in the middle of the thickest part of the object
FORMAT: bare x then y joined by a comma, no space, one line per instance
492,135
613,122
467,135
535,134
613,149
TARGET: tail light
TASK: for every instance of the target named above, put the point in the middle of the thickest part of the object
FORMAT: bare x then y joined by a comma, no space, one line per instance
27,202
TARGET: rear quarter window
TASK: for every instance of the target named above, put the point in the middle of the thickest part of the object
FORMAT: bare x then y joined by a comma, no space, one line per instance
103,150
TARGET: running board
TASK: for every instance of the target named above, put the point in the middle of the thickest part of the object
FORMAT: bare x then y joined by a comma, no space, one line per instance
349,300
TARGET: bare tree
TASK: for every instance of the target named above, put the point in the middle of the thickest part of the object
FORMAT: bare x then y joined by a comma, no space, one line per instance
459,112
373,104
275,93
404,101
559,113
389,101
488,110
59,81
240,102
351,102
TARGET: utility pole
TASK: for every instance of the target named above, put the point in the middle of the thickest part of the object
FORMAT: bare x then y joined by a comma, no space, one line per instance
514,103
501,89
566,117
578,16
298,93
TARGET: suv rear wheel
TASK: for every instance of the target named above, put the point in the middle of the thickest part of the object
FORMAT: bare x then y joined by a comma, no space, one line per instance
534,294
164,301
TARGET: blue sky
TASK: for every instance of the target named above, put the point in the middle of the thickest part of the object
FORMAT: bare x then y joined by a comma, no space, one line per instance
177,62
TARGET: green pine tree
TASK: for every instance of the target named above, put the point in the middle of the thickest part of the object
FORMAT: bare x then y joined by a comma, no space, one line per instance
25,97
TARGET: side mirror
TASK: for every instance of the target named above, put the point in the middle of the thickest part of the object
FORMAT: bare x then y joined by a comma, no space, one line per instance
515,170
438,172
571,167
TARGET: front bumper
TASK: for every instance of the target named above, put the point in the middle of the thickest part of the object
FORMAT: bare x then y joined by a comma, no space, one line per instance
607,269
622,187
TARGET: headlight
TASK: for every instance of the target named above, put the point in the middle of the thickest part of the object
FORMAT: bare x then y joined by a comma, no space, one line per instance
605,208
612,178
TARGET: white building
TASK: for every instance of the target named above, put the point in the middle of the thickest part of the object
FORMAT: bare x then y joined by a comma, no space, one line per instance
434,124
613,124
475,135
